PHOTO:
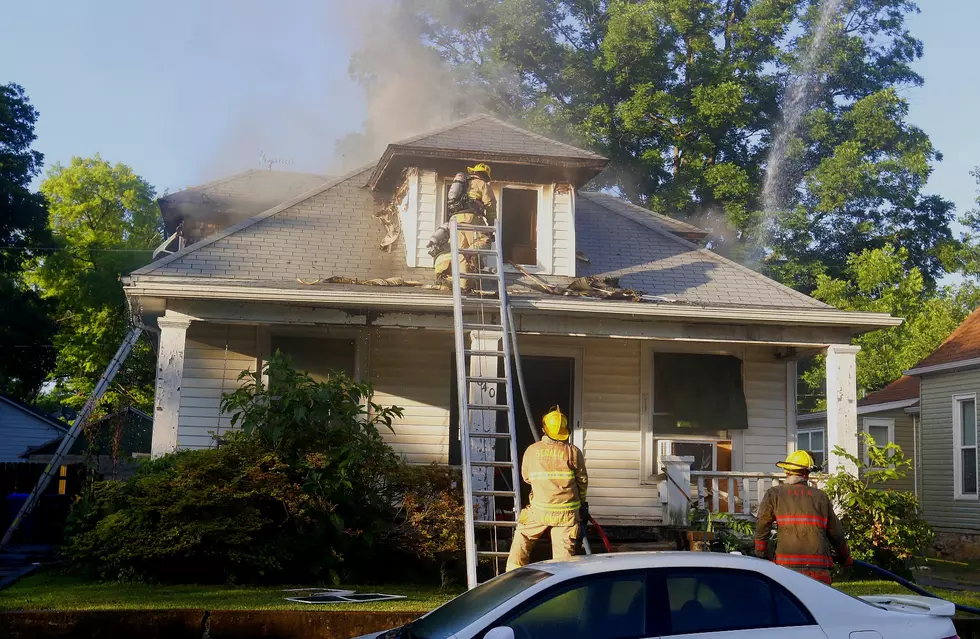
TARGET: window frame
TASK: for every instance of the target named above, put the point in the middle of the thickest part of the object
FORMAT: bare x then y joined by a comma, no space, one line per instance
658,595
958,447
539,228
663,444
866,425
808,431
575,582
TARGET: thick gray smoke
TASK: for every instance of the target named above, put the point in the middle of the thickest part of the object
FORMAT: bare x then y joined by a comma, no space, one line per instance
408,88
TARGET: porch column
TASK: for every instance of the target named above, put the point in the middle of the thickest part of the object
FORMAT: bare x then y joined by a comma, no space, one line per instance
842,426
484,421
170,373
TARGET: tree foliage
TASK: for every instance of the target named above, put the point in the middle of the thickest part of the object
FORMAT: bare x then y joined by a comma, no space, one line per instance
879,281
26,326
105,223
686,98
883,526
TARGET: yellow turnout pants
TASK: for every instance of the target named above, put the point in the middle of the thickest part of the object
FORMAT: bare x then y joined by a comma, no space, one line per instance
470,239
563,540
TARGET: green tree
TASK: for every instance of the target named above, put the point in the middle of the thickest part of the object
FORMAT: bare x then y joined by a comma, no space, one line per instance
105,222
878,280
26,322
685,97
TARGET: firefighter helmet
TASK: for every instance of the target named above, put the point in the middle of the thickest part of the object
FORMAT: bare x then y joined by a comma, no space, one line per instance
443,265
799,461
479,168
555,425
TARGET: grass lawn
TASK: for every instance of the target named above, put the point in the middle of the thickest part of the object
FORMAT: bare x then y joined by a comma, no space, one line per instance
53,591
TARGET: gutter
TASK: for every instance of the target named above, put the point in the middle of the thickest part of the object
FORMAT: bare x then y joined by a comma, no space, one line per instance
390,299
943,368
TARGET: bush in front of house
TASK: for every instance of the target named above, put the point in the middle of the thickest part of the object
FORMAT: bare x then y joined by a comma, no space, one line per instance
302,492
884,526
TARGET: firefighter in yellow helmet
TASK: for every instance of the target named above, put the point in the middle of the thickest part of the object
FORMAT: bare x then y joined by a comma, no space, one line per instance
471,201
555,469
809,531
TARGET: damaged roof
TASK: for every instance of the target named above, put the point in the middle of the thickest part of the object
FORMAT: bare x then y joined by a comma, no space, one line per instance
236,197
331,232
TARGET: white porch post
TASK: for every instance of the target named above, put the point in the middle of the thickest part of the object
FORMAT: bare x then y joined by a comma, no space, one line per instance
170,373
484,421
842,426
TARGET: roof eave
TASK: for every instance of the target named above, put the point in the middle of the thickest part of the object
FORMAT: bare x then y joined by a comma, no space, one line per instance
594,165
180,288
866,409
948,367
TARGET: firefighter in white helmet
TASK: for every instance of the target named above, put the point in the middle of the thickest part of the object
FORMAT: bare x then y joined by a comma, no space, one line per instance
555,469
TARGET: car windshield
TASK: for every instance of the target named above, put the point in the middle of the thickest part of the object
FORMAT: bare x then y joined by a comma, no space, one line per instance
449,619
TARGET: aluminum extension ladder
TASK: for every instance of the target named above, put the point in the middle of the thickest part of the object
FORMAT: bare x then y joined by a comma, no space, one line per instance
483,319
72,435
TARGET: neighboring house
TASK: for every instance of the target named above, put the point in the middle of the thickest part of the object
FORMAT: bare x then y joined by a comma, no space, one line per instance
890,416
23,427
950,383
703,365
112,444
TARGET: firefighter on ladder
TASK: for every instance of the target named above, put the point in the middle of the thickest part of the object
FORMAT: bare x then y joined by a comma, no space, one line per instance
470,201
555,469
808,527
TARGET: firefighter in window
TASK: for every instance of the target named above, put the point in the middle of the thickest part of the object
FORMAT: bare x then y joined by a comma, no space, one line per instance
470,201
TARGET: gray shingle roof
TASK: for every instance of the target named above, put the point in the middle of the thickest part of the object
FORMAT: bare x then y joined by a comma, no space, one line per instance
331,231
487,134
625,208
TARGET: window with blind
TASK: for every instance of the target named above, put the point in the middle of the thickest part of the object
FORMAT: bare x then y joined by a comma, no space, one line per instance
965,444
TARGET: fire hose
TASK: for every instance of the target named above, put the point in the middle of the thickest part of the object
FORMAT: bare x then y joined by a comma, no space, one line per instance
911,586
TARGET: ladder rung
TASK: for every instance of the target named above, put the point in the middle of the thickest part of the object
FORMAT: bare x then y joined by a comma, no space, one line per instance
485,523
489,380
492,553
484,353
493,493
475,227
478,275
473,251
479,435
492,464
483,327
500,407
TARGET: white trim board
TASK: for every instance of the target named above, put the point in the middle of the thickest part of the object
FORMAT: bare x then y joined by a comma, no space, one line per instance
948,366
862,410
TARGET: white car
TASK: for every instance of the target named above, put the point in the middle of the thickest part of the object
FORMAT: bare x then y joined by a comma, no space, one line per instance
673,594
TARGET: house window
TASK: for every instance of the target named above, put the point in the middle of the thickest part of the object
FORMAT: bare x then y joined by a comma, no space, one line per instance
882,431
316,356
705,453
965,445
519,225
813,442
681,405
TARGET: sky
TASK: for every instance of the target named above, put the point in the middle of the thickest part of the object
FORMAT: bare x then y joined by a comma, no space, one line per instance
186,91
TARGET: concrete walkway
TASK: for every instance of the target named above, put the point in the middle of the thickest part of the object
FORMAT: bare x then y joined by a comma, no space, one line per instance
17,561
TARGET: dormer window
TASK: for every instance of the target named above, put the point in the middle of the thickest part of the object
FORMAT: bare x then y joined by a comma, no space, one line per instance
518,208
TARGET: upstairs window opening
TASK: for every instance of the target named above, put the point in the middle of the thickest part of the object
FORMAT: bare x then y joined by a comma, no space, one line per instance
518,209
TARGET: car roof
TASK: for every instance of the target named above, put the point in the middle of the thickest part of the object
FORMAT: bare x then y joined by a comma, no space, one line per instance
591,564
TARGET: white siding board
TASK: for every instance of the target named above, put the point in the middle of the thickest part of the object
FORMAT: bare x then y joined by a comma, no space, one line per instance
428,207
208,373
412,370
763,443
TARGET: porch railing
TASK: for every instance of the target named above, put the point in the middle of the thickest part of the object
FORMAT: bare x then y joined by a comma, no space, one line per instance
736,493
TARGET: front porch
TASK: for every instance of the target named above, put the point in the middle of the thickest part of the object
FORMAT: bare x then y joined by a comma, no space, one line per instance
609,360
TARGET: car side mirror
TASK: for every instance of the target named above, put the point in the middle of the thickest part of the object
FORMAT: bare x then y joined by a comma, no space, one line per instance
500,632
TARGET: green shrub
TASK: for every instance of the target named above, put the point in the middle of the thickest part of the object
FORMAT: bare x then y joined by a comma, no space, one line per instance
883,526
301,493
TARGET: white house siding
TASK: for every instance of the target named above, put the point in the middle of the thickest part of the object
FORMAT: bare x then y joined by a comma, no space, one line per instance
208,372
563,230
764,442
940,509
428,213
413,370
19,430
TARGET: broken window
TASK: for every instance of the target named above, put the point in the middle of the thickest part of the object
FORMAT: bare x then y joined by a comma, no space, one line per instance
318,356
519,218
697,395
